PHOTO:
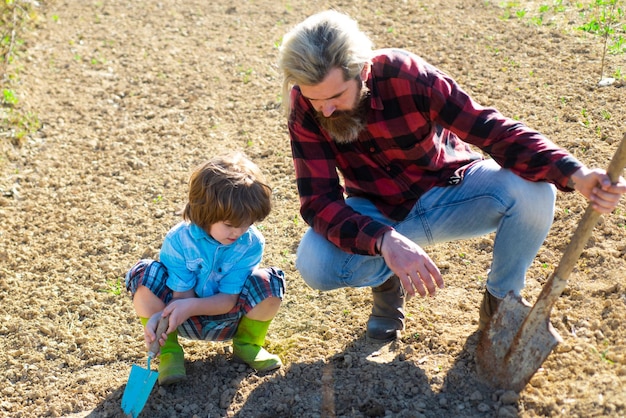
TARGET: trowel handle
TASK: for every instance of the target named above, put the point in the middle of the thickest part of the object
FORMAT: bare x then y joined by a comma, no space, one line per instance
589,219
161,328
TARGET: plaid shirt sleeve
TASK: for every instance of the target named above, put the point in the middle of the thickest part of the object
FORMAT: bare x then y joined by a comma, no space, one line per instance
512,144
322,203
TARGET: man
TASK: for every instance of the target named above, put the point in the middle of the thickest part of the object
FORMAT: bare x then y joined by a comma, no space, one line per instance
399,132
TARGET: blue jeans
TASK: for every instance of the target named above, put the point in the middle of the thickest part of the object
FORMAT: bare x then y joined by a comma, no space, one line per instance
488,199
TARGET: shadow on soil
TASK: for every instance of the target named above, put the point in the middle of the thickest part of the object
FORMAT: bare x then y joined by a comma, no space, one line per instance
364,380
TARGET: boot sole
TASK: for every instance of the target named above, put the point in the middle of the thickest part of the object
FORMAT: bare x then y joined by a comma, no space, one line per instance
390,337
268,369
170,380
384,329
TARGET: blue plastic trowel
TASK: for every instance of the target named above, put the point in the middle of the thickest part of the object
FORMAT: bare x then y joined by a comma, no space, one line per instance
141,381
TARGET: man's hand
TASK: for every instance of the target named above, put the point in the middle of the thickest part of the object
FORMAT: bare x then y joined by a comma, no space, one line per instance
596,186
411,264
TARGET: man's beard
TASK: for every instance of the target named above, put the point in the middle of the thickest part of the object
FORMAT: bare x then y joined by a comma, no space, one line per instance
344,126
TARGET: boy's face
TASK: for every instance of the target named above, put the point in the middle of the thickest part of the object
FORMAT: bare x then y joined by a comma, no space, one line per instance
225,233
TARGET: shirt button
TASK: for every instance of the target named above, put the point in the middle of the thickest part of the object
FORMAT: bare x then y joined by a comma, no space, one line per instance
388,168
372,149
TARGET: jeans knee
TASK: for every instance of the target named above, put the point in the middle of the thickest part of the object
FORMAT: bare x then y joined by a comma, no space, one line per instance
310,260
308,271
548,194
534,204
542,203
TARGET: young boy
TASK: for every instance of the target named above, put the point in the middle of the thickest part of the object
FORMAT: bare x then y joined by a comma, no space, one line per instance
208,282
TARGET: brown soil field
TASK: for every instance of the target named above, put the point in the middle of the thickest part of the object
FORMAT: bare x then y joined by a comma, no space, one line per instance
132,95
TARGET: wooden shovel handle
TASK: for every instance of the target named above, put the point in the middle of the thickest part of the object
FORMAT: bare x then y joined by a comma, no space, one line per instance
589,219
161,328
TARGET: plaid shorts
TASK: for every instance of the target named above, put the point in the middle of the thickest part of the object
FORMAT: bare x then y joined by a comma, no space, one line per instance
262,283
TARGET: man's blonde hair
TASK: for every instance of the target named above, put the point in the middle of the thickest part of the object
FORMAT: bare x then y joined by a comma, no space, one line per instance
227,188
318,44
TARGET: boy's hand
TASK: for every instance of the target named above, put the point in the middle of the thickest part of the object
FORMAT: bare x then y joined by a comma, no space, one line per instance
178,311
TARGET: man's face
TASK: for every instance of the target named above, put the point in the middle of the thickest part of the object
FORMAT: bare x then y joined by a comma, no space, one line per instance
339,105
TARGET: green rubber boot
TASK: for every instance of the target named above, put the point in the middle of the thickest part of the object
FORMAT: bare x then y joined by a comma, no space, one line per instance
248,345
171,360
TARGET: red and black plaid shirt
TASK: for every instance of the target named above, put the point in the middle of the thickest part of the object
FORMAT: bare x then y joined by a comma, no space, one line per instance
418,135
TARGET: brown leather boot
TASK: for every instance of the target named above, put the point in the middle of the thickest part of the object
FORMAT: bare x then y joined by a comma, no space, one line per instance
488,307
387,317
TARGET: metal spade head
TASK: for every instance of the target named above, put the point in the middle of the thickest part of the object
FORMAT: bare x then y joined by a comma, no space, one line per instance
515,344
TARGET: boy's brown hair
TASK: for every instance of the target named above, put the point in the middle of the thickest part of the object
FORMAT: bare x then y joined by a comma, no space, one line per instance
227,188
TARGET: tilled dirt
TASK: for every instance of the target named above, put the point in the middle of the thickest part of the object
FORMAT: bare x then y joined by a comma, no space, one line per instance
132,95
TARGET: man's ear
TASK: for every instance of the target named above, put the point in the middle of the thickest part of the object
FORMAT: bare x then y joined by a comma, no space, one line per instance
365,72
